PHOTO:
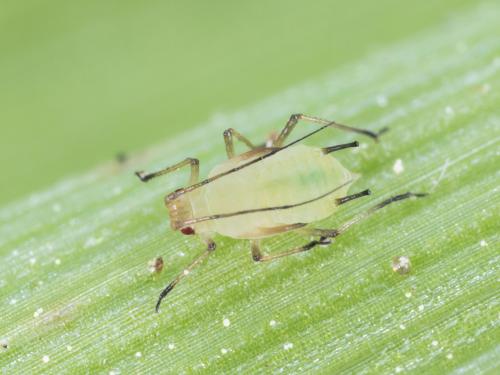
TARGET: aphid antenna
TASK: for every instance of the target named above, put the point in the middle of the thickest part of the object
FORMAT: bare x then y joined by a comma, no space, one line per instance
379,133
369,133
327,150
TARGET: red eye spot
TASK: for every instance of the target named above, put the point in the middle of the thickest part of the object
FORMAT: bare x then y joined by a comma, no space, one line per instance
187,231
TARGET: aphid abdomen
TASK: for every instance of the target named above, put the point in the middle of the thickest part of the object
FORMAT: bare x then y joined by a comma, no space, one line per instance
292,176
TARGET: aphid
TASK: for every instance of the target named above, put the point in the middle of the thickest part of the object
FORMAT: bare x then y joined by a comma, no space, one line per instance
271,189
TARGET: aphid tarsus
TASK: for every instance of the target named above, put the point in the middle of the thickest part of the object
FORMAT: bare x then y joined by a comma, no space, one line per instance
271,189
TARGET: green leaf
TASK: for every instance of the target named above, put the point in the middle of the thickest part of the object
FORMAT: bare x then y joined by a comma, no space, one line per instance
76,294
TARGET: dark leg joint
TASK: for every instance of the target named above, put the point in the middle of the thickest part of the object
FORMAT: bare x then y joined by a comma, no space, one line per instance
256,254
352,196
324,241
256,257
310,245
143,177
211,246
374,135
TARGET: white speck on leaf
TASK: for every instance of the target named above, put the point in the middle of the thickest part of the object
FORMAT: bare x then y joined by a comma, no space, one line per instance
138,355
398,166
398,369
485,88
272,323
38,312
408,294
171,346
434,343
402,326
401,264
57,262
449,355
382,101
92,241
226,322
449,111
69,348
421,308
287,345
32,261
483,243
45,359
224,351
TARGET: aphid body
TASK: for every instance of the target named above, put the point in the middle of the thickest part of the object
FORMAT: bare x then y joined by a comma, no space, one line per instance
295,175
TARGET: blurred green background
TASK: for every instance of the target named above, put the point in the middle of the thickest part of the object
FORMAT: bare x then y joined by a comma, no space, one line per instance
83,80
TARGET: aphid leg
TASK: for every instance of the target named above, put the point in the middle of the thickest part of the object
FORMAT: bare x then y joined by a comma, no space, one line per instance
258,257
325,235
229,134
210,249
294,119
195,171
375,208
331,233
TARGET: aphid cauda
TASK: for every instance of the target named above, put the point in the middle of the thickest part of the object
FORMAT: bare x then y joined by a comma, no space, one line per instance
271,189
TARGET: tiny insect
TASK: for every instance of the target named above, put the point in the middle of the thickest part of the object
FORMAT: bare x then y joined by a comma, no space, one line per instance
271,189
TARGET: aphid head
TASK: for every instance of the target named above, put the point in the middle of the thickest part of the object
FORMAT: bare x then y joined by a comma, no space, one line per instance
179,210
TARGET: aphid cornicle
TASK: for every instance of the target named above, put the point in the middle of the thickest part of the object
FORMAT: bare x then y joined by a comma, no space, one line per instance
271,189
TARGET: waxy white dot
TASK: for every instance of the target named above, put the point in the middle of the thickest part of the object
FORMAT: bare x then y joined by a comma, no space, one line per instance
398,166
38,312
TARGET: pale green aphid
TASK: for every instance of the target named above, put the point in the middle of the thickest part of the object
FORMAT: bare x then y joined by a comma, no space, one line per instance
271,189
